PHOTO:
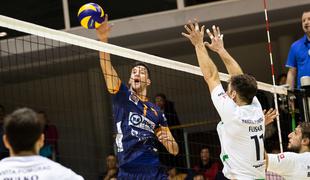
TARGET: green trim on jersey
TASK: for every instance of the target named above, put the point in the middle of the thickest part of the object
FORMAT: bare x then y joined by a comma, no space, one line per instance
225,157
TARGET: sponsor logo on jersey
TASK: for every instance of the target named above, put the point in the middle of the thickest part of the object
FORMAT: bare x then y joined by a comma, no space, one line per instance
8,172
134,98
280,157
249,121
139,121
223,94
134,133
259,165
23,177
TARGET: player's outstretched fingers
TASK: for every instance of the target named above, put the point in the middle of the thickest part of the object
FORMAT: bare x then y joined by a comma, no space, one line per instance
215,33
187,28
210,34
218,31
196,24
191,25
202,30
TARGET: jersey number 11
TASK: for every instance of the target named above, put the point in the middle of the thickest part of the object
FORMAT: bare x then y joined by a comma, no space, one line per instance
257,144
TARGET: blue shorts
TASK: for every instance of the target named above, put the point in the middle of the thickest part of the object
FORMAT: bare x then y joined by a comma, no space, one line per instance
142,173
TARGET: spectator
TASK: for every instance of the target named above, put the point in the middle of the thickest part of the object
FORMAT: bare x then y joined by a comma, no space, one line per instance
23,136
199,177
206,166
4,152
167,107
298,60
174,174
111,168
50,148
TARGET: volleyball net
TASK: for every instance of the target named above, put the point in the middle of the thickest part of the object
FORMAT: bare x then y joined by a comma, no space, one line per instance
59,73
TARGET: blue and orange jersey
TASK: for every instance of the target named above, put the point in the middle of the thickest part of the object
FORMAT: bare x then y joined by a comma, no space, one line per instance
136,122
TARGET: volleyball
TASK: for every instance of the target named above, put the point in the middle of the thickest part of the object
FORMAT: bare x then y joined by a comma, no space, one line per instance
91,15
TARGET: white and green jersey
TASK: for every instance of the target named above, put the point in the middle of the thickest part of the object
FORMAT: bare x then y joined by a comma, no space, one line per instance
241,133
34,168
290,165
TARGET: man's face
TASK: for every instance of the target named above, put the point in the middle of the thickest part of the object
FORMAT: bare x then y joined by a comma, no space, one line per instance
139,78
111,162
204,155
295,139
306,22
42,117
160,102
199,177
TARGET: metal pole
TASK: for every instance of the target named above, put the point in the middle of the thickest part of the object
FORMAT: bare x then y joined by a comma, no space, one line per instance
66,14
188,162
272,75
180,4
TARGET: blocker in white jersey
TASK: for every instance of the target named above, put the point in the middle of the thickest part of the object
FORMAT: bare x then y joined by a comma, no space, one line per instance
290,165
241,133
241,130
34,168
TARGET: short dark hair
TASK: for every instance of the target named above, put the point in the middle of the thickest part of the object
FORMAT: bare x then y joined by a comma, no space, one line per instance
305,130
306,11
137,63
245,85
41,112
23,129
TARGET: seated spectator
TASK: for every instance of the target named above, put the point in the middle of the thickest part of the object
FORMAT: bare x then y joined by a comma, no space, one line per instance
172,119
174,174
207,167
111,168
50,148
23,136
4,152
199,177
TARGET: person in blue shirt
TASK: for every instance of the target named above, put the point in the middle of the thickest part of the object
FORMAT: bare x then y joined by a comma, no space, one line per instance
139,123
298,60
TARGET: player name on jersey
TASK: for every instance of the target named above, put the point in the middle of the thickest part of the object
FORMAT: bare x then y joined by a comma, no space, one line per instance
255,128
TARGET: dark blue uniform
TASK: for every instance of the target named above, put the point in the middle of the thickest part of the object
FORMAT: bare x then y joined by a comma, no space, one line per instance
136,122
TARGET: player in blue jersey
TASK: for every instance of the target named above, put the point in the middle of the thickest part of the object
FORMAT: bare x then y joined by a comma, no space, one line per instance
140,124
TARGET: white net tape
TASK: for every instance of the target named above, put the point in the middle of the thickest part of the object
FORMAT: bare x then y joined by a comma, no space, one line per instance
65,37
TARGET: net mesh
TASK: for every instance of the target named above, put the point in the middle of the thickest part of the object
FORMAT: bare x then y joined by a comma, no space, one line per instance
48,73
